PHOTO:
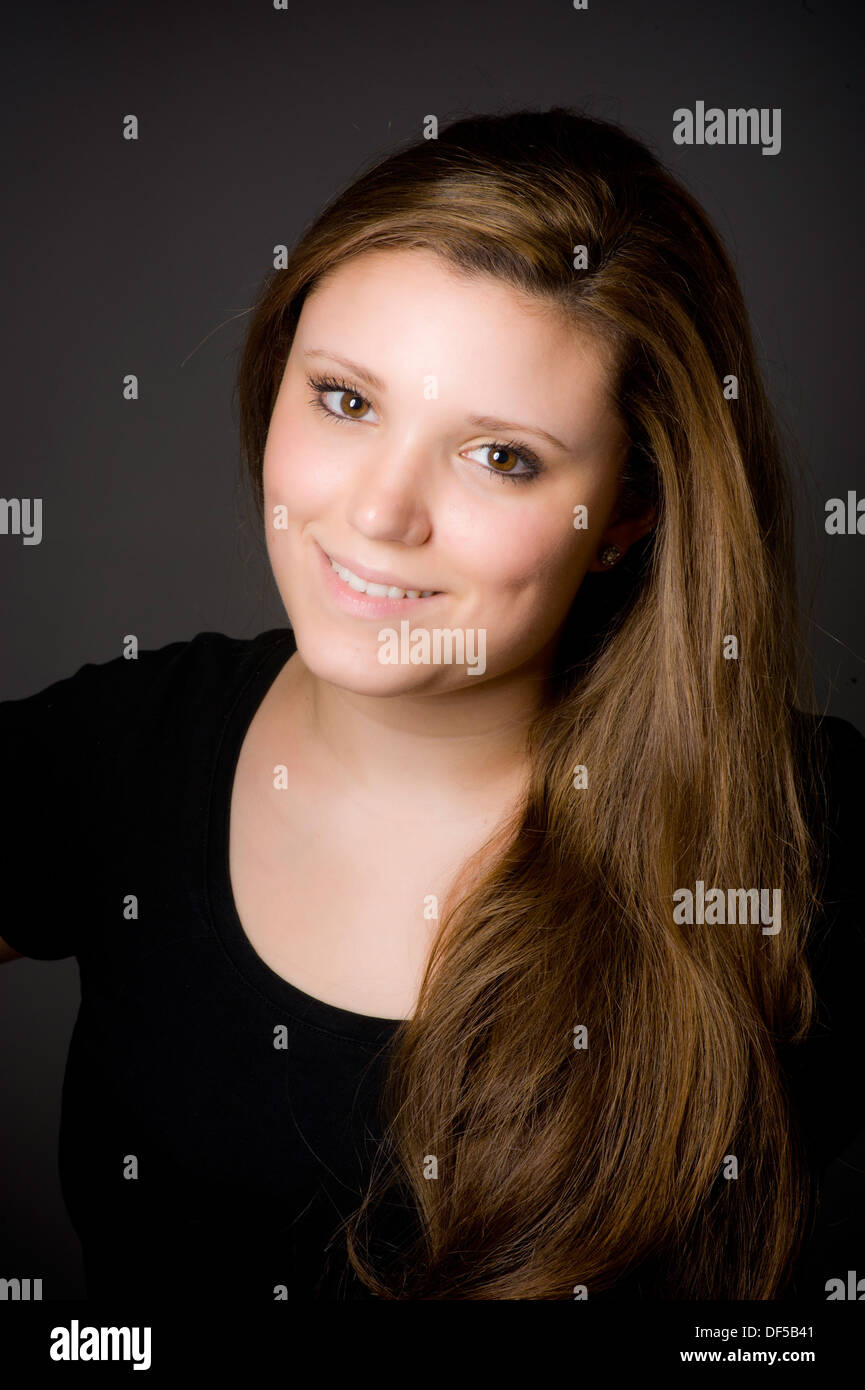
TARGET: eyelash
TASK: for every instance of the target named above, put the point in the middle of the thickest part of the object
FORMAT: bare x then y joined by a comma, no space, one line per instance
320,385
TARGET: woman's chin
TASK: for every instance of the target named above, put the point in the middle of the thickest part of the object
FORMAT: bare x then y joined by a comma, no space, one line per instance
359,670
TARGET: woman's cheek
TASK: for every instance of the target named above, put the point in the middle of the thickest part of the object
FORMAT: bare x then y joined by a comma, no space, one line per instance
535,557
299,479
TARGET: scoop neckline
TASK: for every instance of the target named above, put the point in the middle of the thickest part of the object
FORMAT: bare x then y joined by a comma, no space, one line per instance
279,646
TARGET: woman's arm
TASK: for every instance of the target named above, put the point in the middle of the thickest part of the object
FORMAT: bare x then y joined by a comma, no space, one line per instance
7,953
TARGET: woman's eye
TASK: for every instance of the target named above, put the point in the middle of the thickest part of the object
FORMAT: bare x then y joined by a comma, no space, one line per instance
347,404
507,461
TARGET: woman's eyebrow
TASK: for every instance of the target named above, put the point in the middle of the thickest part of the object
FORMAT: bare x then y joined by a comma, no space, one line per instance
487,422
490,422
374,381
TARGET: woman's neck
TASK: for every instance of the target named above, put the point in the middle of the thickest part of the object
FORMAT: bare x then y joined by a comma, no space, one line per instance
437,754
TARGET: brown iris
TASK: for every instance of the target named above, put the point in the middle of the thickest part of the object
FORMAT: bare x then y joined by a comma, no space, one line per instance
497,453
354,398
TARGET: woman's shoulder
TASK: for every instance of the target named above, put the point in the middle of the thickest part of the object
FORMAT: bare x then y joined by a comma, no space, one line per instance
121,722
825,1070
832,757
832,750
165,678
836,737
93,759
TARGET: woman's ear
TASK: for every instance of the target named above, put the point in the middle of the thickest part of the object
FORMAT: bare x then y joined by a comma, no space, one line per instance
623,534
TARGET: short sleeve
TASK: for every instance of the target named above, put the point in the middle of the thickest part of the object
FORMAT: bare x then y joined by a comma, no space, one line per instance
51,748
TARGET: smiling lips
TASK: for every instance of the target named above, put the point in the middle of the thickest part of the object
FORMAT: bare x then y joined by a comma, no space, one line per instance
373,588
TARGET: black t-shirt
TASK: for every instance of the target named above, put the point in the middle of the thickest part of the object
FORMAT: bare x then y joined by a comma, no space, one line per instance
218,1123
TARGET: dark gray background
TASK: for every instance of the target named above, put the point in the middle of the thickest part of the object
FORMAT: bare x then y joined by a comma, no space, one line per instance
144,256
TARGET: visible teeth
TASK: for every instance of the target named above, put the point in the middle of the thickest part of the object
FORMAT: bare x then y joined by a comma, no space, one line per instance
364,586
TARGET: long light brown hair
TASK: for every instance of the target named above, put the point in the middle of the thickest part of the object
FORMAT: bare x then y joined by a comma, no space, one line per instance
561,1166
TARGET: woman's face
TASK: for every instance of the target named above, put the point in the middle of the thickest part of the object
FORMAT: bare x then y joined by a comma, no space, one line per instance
402,483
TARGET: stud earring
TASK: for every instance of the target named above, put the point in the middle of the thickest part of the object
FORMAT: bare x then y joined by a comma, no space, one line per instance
610,555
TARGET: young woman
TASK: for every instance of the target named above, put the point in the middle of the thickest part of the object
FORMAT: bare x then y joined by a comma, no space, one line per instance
489,932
